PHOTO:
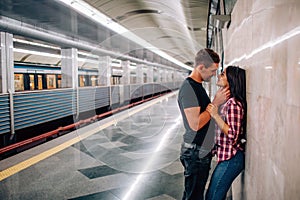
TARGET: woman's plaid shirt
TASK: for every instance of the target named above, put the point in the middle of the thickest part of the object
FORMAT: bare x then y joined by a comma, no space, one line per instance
232,113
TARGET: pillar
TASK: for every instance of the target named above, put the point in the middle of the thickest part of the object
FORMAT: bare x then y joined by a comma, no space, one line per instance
6,63
149,74
139,74
69,68
104,71
125,79
163,75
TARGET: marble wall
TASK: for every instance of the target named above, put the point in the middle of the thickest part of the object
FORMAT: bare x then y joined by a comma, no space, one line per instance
264,38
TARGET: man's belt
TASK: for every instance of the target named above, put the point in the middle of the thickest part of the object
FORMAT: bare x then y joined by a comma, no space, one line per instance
191,145
195,146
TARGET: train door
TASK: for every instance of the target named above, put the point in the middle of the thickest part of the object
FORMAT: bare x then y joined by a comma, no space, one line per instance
41,82
58,80
87,80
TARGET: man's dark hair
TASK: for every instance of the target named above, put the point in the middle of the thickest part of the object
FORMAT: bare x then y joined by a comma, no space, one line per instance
206,57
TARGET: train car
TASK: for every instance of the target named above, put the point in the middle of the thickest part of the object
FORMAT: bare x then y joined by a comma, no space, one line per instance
37,77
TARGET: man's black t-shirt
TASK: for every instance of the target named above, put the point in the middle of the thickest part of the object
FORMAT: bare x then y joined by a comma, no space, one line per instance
192,94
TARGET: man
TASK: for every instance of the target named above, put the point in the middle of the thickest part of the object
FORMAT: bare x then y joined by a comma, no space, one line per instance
192,101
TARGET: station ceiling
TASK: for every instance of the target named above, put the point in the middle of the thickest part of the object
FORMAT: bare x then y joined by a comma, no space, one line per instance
177,27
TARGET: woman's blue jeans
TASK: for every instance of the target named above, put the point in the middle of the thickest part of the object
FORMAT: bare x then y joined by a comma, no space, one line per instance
223,176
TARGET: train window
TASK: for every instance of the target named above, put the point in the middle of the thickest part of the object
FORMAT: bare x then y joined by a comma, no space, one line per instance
40,82
81,81
112,80
132,78
51,81
19,82
31,81
94,80
145,77
115,80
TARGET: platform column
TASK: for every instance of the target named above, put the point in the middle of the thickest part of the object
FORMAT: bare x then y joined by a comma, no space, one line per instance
156,75
169,75
69,68
178,76
125,79
139,74
149,74
6,63
173,79
104,71
163,75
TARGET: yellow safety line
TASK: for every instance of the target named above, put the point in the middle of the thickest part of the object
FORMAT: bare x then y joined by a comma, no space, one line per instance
35,159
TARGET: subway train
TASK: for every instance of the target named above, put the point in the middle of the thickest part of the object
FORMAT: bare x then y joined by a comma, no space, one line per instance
39,104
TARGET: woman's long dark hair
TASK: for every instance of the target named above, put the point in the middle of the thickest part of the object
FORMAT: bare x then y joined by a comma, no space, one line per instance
236,78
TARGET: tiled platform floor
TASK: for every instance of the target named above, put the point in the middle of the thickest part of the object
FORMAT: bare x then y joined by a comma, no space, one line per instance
132,155
135,158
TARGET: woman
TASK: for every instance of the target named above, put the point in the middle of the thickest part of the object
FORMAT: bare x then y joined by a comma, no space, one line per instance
230,133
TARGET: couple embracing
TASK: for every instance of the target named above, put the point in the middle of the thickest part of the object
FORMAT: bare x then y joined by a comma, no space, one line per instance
226,113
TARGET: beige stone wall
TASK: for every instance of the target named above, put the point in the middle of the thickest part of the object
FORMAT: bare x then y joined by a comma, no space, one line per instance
264,38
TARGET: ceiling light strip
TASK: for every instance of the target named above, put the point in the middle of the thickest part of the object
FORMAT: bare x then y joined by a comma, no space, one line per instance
35,44
92,13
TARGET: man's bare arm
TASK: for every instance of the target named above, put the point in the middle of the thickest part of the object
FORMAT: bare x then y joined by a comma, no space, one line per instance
195,119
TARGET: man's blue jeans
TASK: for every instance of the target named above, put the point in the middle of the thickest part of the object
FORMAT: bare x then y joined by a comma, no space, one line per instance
196,172
223,176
